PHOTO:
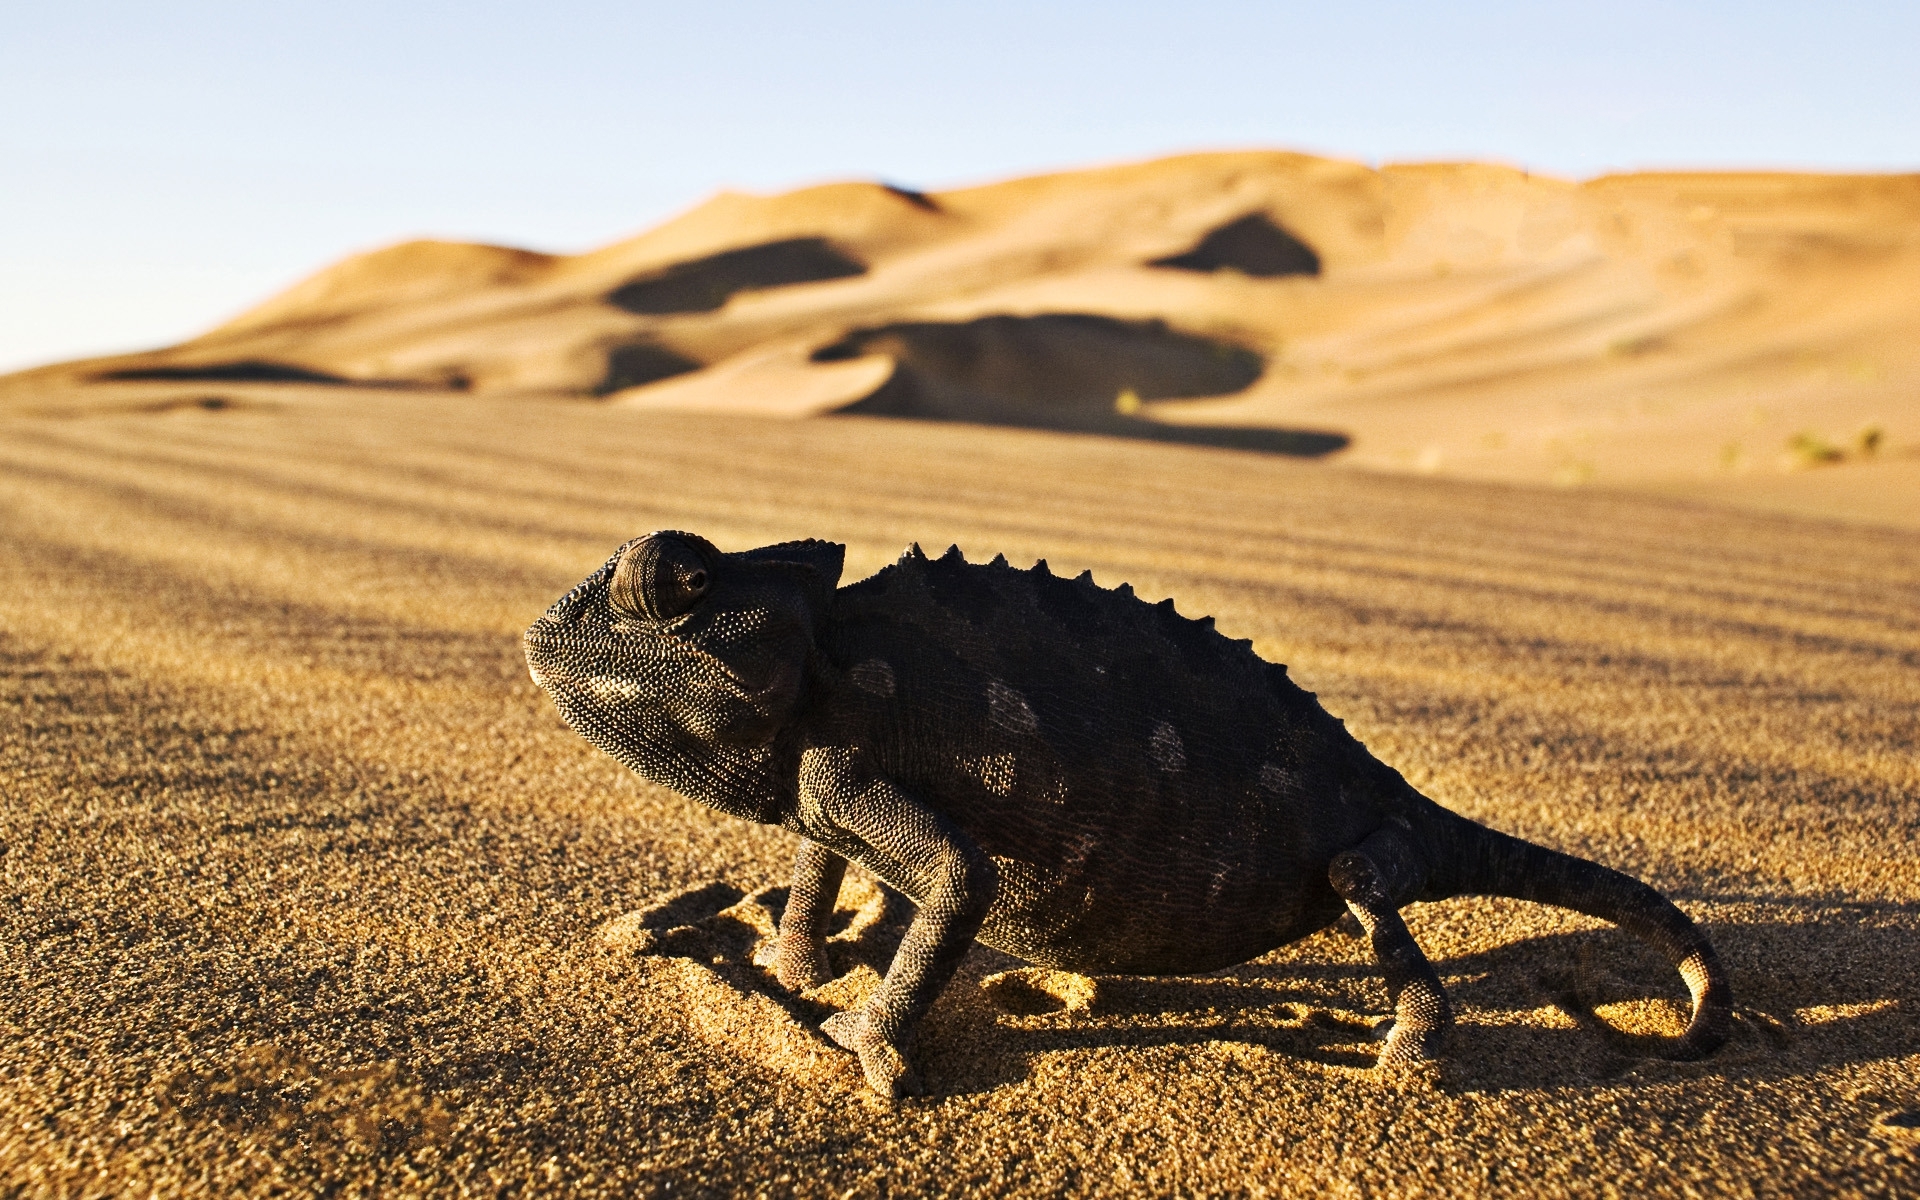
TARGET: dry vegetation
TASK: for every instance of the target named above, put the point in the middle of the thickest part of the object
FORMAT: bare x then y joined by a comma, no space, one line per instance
302,877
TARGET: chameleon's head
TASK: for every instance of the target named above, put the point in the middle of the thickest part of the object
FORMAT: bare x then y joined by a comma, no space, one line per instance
672,653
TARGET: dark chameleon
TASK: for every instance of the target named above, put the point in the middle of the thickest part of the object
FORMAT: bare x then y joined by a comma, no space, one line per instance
1064,772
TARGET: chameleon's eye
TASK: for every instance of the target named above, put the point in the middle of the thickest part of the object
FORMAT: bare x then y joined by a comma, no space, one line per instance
660,577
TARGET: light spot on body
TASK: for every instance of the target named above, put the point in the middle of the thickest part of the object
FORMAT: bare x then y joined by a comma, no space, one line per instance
1008,709
1276,779
610,689
1166,748
996,772
873,676
1219,885
1082,849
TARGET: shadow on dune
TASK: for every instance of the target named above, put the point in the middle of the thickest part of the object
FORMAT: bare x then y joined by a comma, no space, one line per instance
1252,245
705,284
1076,372
638,363
914,196
248,370
262,370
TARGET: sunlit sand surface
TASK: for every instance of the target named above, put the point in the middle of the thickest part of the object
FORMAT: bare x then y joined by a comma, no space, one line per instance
307,887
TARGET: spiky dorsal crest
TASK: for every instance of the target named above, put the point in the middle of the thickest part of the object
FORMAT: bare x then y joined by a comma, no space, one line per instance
1039,580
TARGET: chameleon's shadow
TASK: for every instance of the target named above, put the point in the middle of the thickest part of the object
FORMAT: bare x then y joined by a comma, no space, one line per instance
1830,991
1593,1008
1585,1009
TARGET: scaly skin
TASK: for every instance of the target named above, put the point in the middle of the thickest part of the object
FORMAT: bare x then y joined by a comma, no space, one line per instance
1063,772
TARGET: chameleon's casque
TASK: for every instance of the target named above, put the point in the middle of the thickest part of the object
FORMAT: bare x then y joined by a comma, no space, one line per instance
1065,772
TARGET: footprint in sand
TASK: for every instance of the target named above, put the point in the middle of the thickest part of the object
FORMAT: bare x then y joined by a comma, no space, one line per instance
1902,1124
707,949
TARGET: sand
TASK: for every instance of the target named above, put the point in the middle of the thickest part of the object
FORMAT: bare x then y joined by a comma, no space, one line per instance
1718,334
307,888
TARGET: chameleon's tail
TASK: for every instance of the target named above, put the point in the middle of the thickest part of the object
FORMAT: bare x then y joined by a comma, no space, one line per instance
1489,862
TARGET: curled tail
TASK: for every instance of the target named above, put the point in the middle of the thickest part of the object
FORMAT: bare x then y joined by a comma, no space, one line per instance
1488,862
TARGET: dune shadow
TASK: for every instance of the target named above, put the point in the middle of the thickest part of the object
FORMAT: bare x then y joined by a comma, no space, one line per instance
262,370
191,404
1252,245
246,370
705,284
636,363
1291,443
1069,372
913,196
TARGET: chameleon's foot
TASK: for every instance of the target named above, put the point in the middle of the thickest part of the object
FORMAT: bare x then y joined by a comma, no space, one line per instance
1410,1042
885,1067
1421,1014
800,964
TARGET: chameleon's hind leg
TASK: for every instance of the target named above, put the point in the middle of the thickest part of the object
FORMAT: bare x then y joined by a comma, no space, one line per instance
1369,878
800,951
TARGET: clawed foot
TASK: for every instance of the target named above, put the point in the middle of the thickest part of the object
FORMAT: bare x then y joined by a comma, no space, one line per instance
1408,1043
886,1069
798,965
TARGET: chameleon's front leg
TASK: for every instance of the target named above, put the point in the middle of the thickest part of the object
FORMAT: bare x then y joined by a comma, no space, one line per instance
800,951
948,876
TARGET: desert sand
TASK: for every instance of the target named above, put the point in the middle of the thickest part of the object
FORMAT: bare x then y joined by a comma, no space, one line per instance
1743,337
308,889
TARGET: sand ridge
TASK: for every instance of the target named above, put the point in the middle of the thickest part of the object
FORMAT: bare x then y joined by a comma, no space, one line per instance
309,889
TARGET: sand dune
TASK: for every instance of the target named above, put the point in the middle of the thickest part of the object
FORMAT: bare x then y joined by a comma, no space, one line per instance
1718,334
308,888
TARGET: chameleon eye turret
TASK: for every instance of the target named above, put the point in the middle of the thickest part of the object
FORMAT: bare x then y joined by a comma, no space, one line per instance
662,575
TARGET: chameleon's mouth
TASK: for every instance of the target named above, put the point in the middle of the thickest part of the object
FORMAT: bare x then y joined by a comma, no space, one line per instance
548,645
555,649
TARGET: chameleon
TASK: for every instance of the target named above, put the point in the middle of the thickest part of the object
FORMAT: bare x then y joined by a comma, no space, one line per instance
1061,771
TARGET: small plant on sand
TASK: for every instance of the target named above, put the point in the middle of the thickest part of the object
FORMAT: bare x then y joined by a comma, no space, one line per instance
1573,472
1870,439
1809,449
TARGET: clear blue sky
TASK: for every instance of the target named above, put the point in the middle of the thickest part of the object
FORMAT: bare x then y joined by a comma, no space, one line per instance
164,165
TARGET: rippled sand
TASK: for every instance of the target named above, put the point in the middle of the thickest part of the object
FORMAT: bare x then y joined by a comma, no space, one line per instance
306,884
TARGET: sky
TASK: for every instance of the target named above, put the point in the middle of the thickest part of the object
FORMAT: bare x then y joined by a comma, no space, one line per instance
166,166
